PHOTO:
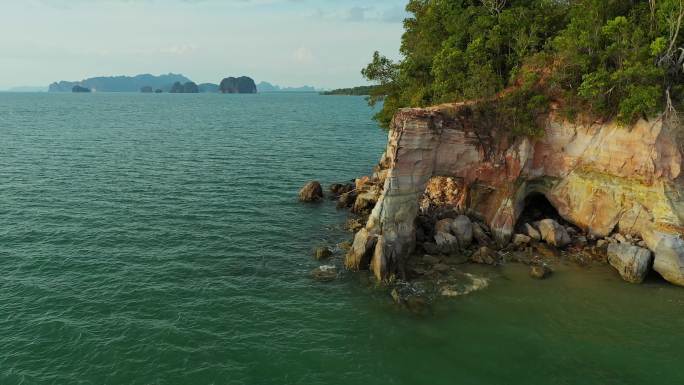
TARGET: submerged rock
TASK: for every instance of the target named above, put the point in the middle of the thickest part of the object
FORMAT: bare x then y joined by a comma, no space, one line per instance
325,273
311,192
540,271
632,262
485,256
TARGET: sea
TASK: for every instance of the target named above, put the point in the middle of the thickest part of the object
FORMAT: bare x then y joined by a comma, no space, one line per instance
158,239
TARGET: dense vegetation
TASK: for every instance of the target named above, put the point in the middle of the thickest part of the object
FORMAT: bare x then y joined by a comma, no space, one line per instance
604,58
355,91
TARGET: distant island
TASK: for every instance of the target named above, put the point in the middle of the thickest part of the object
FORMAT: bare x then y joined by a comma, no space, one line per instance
121,83
355,91
268,87
241,85
175,83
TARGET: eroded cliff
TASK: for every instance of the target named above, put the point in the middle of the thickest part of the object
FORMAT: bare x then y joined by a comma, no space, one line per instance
601,177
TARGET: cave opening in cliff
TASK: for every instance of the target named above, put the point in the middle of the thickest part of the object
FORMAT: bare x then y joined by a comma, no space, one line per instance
537,207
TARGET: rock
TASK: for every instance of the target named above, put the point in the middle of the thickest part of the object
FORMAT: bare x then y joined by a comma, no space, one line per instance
363,184
553,233
601,243
345,246
443,226
446,243
521,239
540,271
365,202
632,262
532,232
325,273
486,256
322,252
353,224
311,192
441,267
581,240
339,188
462,228
480,235
361,252
620,238
346,200
430,260
431,248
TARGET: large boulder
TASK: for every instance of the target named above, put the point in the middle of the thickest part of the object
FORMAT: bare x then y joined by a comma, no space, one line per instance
462,228
311,192
443,225
553,233
532,232
632,262
365,202
446,243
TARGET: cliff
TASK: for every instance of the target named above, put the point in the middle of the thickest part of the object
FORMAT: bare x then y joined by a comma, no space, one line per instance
600,177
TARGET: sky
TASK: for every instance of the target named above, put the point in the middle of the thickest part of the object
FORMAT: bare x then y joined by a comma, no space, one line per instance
322,43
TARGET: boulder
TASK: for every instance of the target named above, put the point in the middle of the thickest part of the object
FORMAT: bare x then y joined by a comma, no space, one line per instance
446,243
480,235
339,188
365,202
553,233
346,200
322,252
532,232
462,228
632,262
521,239
311,192
486,256
443,226
325,273
540,271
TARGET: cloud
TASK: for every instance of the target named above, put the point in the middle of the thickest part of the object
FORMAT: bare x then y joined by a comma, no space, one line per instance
303,55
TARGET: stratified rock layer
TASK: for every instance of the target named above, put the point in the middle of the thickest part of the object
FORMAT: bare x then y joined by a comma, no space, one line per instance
600,177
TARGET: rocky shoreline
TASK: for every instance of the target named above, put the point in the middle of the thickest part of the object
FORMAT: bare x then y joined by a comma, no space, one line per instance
452,190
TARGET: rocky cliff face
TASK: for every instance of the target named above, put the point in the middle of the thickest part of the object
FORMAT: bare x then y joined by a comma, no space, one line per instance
600,177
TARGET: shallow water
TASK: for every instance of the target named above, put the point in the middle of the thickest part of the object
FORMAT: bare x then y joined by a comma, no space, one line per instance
156,239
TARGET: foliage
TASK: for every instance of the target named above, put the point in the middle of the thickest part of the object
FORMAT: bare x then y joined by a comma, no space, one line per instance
607,58
355,91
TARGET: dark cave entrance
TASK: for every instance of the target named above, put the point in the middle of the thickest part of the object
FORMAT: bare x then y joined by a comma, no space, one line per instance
537,207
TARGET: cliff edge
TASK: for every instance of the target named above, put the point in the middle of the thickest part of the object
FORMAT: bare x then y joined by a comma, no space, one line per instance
600,177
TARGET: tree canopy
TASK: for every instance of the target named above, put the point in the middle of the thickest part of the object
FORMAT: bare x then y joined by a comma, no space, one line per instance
620,59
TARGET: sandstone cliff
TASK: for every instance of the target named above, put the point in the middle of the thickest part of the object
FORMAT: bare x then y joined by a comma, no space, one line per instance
601,177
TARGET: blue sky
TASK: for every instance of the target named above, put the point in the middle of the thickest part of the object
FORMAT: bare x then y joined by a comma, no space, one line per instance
323,43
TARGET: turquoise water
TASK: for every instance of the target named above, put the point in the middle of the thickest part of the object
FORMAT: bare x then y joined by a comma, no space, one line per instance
157,239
